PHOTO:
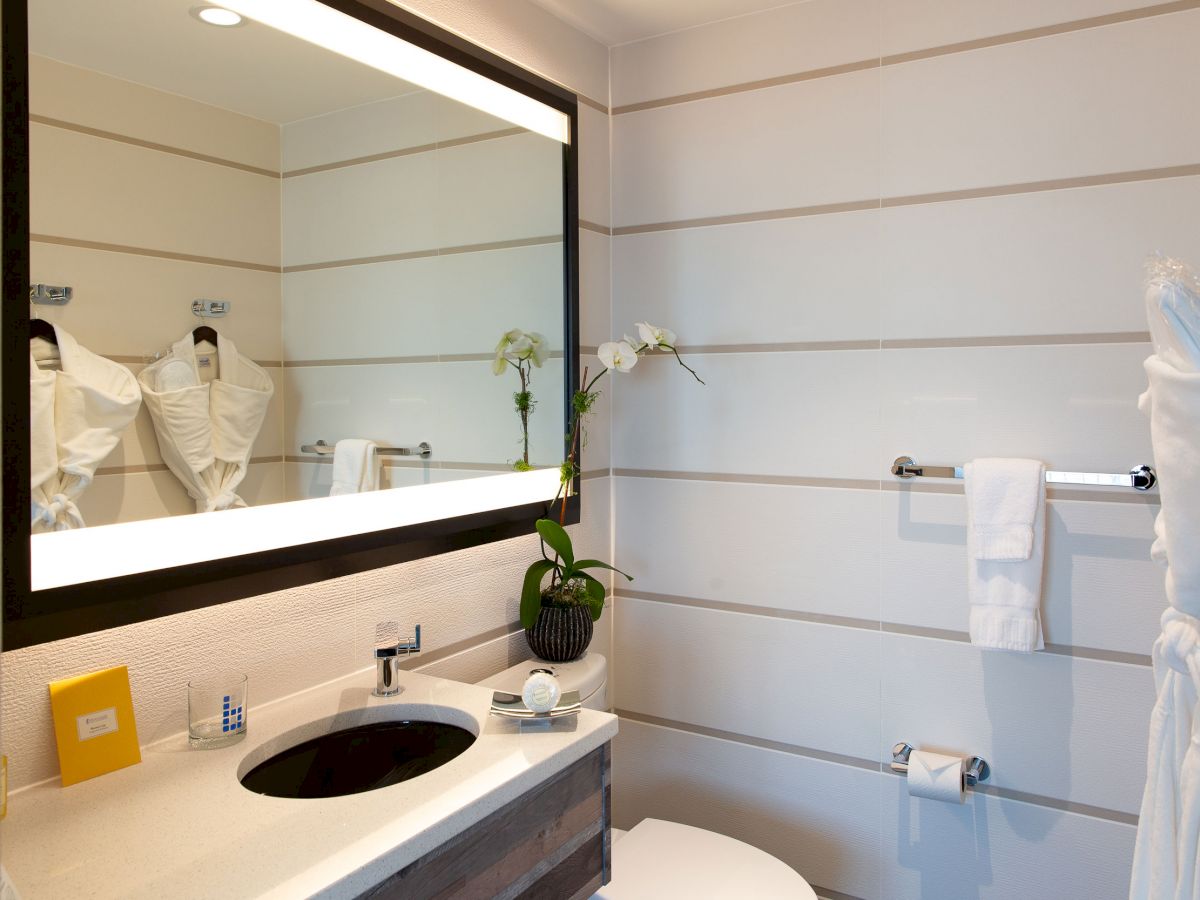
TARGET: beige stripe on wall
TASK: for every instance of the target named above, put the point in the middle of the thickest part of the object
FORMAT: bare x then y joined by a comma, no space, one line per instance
911,56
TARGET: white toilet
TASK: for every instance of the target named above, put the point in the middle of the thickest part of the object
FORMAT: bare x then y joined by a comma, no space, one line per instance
666,860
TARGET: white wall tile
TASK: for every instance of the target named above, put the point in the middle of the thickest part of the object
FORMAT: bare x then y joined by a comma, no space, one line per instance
805,413
811,549
920,24
820,818
94,100
93,189
1037,718
372,209
1100,588
721,670
1083,103
802,144
993,849
595,288
594,205
500,190
1051,262
455,304
110,285
804,279
795,37
1074,407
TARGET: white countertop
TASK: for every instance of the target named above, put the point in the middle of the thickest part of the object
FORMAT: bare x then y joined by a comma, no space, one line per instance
180,824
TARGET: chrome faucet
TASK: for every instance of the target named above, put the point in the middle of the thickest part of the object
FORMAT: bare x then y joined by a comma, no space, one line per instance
388,650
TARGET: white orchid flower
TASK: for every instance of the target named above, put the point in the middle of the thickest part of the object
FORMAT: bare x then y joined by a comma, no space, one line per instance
520,348
617,355
539,350
662,338
638,346
500,363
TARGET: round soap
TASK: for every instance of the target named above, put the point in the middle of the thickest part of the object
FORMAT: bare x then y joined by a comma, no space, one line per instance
541,692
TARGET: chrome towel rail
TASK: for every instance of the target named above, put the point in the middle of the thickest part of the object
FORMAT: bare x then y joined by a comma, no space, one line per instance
1140,478
422,450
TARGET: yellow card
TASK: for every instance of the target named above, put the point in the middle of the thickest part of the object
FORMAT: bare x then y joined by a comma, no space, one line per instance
93,724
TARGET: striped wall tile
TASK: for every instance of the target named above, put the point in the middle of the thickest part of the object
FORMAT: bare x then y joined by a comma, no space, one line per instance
1048,262
1081,103
771,413
791,39
734,683
812,550
802,144
89,99
795,279
90,188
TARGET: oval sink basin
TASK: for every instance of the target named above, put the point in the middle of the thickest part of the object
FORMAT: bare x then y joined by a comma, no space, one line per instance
354,760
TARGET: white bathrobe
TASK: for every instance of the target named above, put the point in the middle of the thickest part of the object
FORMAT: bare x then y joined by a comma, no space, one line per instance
79,404
207,405
1168,840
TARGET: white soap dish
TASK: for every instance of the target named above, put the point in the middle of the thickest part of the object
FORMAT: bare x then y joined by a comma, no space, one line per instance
511,706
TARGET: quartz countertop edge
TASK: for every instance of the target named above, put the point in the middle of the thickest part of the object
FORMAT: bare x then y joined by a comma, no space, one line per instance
181,824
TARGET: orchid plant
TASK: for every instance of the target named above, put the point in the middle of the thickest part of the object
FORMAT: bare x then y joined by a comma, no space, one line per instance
569,583
620,357
522,351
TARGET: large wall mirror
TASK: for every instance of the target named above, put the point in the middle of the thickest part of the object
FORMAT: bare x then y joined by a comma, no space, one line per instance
291,265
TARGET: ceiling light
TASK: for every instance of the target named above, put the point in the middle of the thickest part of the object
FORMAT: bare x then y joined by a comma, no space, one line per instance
345,35
215,15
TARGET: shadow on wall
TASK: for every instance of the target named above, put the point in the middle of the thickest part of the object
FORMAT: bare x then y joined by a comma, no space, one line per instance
955,860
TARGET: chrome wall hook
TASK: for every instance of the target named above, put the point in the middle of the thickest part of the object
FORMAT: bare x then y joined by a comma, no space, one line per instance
50,294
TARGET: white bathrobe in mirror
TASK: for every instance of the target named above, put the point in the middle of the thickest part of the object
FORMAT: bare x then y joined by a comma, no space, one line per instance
208,405
79,404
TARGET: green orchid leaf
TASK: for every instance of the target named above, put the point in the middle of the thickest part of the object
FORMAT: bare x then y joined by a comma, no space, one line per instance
595,594
596,564
531,591
560,542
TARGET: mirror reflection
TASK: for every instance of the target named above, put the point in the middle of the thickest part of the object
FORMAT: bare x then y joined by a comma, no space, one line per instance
274,253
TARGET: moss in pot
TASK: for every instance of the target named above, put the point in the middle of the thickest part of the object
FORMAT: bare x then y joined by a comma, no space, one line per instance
558,616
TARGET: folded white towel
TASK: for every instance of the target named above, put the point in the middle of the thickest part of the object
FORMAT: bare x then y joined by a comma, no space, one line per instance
355,467
1002,502
1006,545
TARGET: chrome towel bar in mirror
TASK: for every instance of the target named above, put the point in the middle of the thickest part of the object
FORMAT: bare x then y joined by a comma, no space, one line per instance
422,450
1140,478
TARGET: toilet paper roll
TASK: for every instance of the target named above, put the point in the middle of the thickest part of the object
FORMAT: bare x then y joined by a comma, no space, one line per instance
936,776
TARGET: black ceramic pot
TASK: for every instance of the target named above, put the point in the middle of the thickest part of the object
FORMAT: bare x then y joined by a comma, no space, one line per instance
561,633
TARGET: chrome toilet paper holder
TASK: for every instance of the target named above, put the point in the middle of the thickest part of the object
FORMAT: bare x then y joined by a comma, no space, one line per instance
976,770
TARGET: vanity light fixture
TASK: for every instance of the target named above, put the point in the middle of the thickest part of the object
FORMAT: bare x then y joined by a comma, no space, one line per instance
345,35
217,15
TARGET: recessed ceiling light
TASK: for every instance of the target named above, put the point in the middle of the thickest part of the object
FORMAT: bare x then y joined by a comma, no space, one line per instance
215,15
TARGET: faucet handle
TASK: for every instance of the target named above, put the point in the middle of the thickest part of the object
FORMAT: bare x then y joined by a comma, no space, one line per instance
413,644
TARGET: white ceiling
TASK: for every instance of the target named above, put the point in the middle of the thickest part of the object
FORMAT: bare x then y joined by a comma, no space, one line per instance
250,69
620,21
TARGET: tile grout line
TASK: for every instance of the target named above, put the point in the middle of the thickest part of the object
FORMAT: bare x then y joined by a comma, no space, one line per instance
1094,654
894,59
1055,803
1004,190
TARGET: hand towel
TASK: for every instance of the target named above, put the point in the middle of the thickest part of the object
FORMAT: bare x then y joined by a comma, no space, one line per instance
355,467
1006,545
1002,502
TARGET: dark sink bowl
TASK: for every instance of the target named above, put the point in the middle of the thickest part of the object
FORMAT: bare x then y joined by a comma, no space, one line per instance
359,759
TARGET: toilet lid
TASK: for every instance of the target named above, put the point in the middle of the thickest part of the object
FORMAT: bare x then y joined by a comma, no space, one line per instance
669,861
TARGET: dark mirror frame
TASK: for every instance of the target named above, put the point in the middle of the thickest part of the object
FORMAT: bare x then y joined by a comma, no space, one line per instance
34,618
